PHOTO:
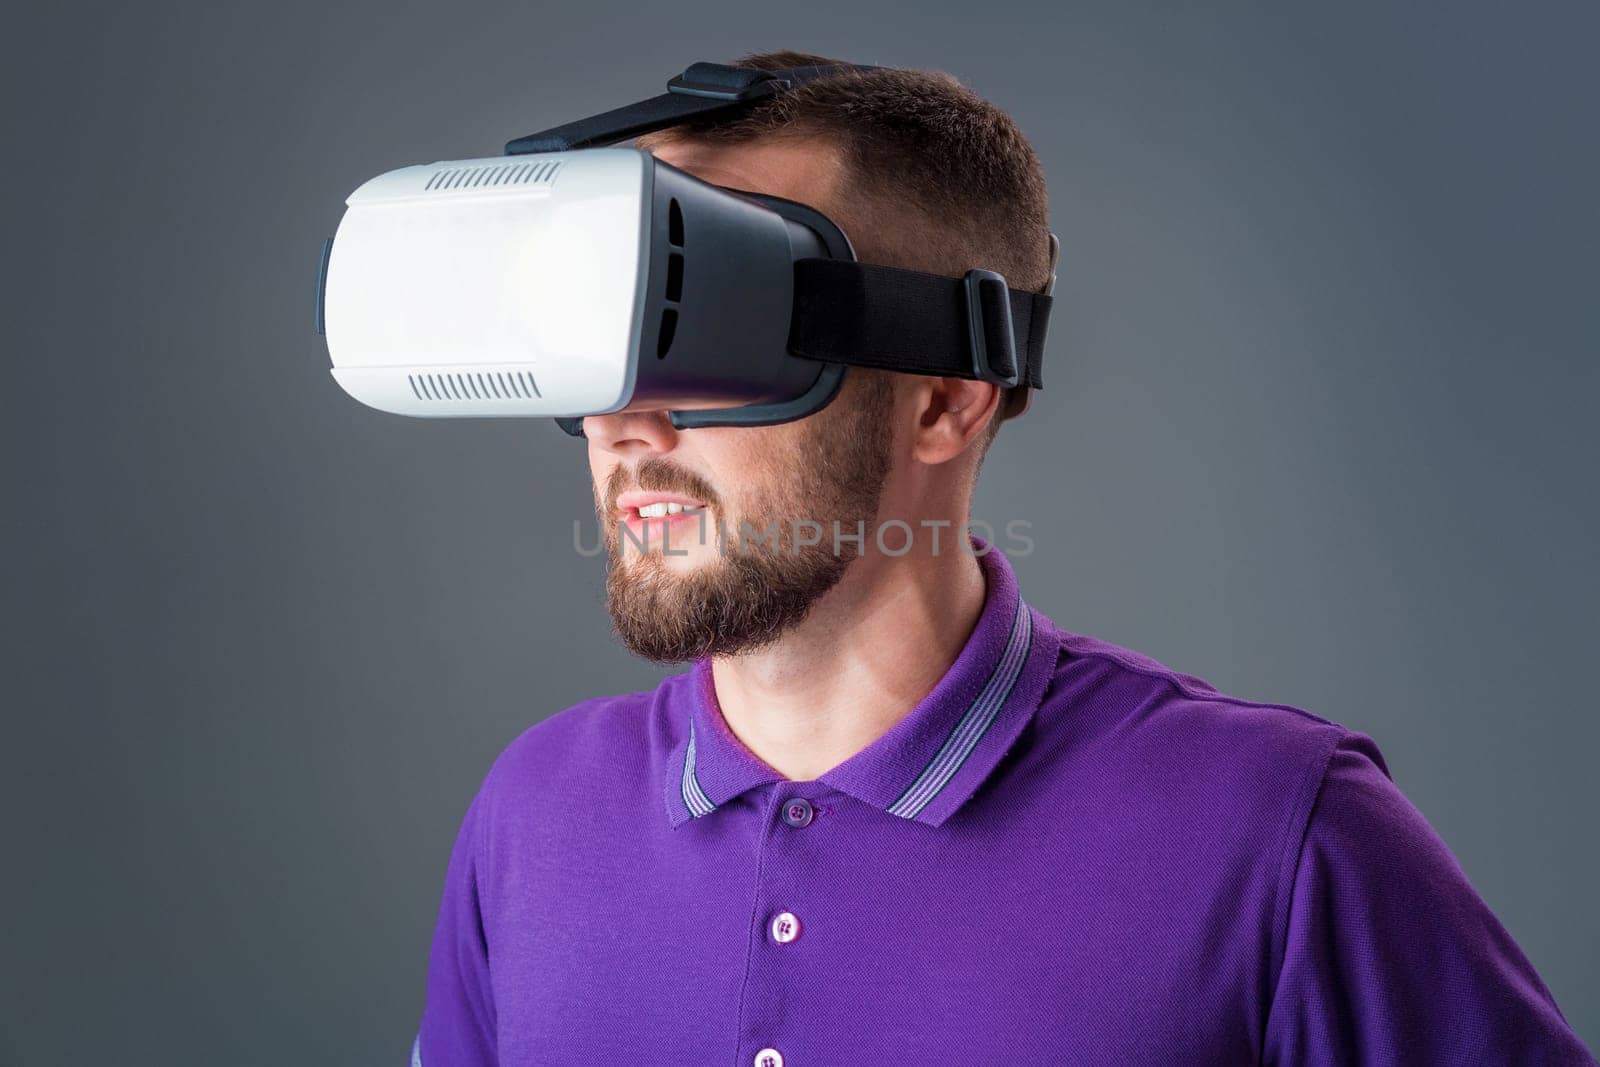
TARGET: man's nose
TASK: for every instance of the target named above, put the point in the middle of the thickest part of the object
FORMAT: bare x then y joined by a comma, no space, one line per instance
632,434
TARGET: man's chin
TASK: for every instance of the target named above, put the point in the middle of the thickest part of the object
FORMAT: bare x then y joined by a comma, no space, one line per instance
674,609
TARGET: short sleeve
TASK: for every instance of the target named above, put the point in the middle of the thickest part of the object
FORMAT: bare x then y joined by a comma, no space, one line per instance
458,1021
1390,956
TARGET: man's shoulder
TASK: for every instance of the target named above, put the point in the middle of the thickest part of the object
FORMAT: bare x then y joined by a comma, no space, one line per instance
1130,709
1135,743
586,744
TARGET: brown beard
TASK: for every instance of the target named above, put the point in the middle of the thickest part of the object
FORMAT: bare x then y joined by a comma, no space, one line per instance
754,591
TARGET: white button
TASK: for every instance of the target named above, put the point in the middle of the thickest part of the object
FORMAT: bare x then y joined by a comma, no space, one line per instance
785,927
769,1057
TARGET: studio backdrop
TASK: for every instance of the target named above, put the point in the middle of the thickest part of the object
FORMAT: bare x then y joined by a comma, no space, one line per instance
1319,429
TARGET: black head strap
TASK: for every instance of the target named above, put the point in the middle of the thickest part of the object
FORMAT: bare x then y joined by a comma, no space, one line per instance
705,91
868,315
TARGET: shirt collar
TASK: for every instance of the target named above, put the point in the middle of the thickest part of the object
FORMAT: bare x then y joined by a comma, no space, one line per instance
927,764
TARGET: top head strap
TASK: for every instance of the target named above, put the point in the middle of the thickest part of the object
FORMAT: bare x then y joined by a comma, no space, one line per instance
703,91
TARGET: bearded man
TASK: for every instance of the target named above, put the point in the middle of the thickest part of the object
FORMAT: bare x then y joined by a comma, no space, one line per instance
892,813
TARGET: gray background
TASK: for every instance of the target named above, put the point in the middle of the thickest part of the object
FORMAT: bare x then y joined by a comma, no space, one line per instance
1319,429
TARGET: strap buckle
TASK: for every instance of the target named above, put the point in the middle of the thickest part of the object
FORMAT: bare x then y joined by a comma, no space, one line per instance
717,81
990,338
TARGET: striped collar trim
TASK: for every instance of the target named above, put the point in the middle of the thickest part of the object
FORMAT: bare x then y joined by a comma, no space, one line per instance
694,798
927,765
970,729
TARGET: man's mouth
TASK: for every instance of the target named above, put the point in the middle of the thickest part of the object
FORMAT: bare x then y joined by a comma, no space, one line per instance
659,515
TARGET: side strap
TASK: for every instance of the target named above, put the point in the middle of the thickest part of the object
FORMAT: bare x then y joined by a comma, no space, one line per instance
868,315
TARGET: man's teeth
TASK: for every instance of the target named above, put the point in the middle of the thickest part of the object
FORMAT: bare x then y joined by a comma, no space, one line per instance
663,509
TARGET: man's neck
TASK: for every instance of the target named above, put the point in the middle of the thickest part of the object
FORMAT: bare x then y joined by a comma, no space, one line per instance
866,654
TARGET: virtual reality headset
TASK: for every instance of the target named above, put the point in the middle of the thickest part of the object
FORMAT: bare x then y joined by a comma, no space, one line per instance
567,279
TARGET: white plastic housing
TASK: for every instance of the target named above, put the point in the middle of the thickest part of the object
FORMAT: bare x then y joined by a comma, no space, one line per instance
504,286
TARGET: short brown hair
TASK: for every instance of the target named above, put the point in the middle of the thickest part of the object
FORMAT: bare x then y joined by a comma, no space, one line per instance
961,184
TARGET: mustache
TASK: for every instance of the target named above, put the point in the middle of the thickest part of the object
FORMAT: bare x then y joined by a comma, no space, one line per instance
657,475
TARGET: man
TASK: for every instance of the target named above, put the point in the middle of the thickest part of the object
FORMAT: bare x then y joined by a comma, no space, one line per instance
892,813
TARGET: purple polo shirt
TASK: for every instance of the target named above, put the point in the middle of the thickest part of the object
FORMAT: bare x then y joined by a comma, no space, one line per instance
1066,853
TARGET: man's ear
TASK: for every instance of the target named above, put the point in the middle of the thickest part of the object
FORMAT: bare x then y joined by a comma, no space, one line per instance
952,413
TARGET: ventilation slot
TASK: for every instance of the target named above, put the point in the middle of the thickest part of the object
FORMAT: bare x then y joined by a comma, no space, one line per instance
487,385
669,326
674,291
675,224
499,174
675,277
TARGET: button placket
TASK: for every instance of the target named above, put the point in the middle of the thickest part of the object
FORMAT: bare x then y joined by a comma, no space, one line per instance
780,927
798,813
